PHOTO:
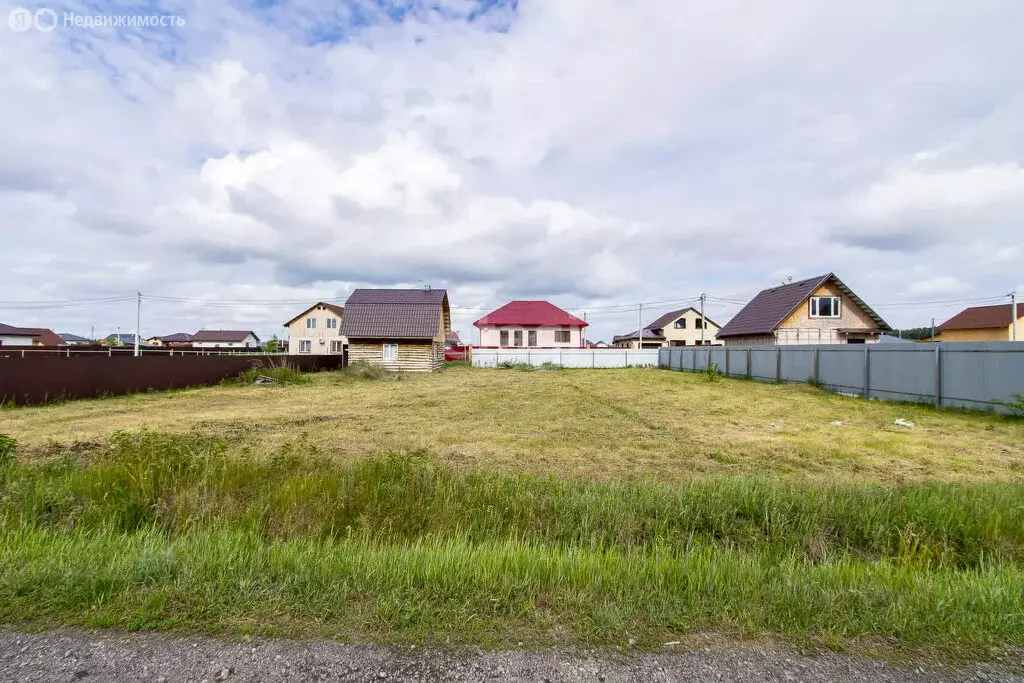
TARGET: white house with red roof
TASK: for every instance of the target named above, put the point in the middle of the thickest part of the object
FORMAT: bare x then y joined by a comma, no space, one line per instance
530,325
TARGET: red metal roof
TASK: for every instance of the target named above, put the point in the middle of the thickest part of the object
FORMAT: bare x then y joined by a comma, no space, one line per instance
530,314
982,317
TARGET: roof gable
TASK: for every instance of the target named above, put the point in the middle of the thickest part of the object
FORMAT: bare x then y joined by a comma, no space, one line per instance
333,308
395,313
982,317
766,311
672,316
530,314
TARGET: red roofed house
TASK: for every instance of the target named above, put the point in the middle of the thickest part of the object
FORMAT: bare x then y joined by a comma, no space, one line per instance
530,325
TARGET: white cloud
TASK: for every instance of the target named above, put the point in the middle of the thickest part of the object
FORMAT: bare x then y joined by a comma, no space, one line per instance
942,284
594,152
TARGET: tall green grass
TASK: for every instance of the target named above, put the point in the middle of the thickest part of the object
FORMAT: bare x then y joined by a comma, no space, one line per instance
176,531
189,482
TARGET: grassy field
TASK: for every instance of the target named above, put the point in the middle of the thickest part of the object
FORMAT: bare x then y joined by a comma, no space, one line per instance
503,506
605,425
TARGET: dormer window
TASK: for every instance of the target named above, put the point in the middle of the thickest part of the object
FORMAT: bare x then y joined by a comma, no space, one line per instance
824,306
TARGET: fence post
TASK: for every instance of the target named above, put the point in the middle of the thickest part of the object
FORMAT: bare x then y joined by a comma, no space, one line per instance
593,359
560,358
938,376
867,372
778,363
626,361
748,364
727,362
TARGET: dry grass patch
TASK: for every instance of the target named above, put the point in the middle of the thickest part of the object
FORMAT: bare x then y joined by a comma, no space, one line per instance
599,424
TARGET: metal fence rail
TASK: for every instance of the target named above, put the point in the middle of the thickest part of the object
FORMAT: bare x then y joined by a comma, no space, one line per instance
981,376
567,358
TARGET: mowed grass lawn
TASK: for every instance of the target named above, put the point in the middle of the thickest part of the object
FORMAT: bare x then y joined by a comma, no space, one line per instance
642,424
506,506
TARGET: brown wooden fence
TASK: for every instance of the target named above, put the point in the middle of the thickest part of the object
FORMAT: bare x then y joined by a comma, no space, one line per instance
41,377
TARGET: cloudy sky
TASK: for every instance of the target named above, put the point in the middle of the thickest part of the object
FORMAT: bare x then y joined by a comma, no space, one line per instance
589,152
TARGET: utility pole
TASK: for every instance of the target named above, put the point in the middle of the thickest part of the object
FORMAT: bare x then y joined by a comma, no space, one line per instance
703,320
1013,312
640,326
138,321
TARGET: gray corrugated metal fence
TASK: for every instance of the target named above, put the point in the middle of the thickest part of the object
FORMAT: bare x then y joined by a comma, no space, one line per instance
958,375
568,358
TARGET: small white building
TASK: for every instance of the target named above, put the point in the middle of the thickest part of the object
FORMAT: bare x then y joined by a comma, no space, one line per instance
225,339
317,331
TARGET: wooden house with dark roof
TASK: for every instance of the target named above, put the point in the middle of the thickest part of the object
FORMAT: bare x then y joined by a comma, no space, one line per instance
818,310
399,329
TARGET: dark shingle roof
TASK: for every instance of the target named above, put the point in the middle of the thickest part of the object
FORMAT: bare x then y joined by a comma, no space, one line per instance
223,335
673,315
394,313
648,334
770,307
982,318
177,337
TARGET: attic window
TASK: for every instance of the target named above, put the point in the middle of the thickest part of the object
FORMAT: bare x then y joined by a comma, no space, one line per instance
824,306
681,324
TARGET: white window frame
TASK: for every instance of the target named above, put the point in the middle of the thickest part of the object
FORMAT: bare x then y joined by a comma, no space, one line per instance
568,336
503,338
305,346
337,345
837,310
389,353
332,323
531,338
310,323
517,339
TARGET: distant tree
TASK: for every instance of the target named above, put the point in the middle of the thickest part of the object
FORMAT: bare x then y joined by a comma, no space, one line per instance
915,333
273,345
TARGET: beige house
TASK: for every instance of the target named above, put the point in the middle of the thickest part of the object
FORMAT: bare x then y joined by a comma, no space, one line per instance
983,323
684,327
819,310
317,331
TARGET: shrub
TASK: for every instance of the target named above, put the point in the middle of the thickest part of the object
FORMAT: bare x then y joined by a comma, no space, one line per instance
516,365
281,375
1016,406
8,444
363,370
712,373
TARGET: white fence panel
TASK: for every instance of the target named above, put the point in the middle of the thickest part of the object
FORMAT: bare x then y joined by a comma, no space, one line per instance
567,358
